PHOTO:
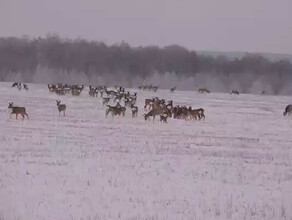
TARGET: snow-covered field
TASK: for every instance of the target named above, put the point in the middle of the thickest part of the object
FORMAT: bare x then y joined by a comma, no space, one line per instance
237,164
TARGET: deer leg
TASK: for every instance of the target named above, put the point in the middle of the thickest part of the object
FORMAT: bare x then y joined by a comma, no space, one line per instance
64,113
59,113
27,115
16,115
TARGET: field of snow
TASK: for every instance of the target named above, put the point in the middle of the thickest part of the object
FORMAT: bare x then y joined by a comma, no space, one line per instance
237,164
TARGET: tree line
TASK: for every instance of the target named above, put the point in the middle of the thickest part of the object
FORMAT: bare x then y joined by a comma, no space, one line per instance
25,55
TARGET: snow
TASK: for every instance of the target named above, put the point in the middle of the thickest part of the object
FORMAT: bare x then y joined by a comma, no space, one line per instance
234,165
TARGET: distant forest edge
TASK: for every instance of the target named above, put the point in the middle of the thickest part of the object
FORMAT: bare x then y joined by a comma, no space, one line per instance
54,59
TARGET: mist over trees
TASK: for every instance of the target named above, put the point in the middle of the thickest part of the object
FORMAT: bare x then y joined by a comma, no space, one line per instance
55,59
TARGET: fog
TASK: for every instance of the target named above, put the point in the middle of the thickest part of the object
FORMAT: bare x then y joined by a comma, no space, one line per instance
164,81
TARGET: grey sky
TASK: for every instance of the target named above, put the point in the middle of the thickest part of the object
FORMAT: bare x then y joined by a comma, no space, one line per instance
222,25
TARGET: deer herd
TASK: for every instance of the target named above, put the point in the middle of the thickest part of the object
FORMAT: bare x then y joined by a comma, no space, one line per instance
153,107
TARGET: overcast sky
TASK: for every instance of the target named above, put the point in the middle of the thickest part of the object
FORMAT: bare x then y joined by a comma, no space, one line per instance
221,25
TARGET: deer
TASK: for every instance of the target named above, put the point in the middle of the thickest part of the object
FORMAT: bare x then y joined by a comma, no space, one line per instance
61,107
288,110
112,110
51,88
155,88
17,110
19,86
172,89
180,112
59,91
122,111
25,87
169,105
115,110
111,93
134,111
234,92
105,100
163,118
93,92
153,113
148,103
196,113
14,84
204,90
129,103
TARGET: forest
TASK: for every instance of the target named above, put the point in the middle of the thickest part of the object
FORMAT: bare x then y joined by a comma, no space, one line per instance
56,59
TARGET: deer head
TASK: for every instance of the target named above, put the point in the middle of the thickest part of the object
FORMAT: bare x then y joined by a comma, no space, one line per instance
10,105
58,102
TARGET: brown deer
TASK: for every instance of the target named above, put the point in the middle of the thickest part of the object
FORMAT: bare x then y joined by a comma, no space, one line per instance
288,110
115,110
172,89
153,113
196,113
148,103
59,91
121,111
61,107
163,118
105,100
15,84
204,90
25,87
134,111
155,88
17,110
234,92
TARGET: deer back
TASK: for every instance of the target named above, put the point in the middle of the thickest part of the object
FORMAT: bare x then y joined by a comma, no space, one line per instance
18,110
288,109
61,107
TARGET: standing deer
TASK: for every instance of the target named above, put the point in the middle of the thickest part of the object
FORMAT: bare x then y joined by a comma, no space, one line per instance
61,107
134,111
196,113
25,87
163,118
203,90
115,110
19,86
153,113
105,100
15,84
234,92
172,89
17,110
288,110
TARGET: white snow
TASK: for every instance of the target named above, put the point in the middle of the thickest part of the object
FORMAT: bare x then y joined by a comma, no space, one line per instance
237,164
